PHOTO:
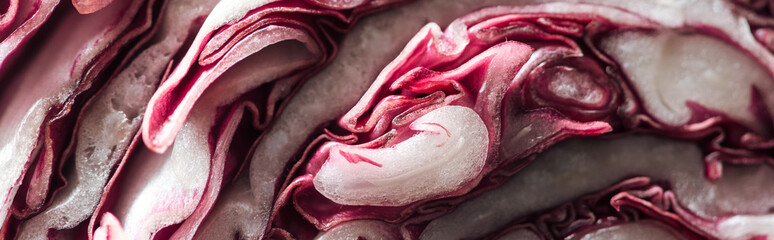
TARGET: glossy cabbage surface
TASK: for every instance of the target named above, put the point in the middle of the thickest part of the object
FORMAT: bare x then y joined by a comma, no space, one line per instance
386,119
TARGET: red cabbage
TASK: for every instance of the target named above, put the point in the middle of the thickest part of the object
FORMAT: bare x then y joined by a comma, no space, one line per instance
530,119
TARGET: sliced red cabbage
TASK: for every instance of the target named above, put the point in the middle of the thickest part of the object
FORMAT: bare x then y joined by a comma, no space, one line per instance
232,143
229,24
576,167
109,123
209,120
35,119
176,181
560,87
432,72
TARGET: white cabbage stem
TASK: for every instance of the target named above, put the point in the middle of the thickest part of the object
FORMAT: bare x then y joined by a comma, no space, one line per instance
449,151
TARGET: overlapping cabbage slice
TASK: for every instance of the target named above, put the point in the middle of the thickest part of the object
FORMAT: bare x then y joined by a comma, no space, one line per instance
672,190
591,69
45,90
109,122
433,73
212,52
159,190
285,49
453,116
594,194
285,40
18,24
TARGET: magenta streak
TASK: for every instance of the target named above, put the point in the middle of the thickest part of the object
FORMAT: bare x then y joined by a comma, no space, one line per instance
448,134
355,158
